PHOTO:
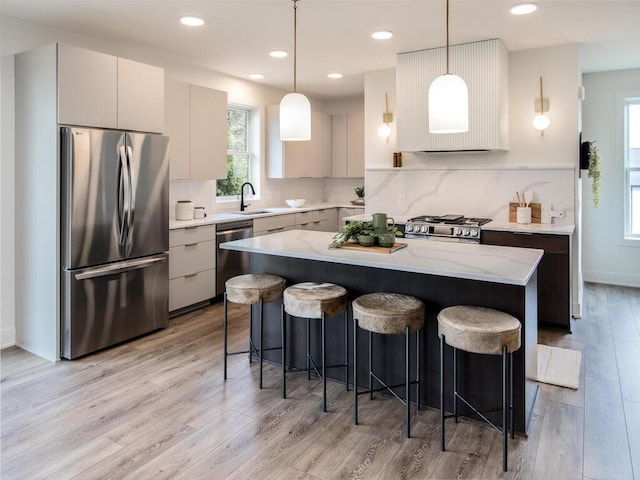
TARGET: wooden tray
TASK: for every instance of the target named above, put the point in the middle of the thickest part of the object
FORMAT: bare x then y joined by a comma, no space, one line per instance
536,212
375,248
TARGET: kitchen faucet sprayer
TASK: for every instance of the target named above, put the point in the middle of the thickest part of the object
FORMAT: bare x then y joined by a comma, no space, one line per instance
242,204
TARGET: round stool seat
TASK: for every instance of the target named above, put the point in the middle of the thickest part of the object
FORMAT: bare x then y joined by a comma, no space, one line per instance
311,299
479,329
250,288
388,313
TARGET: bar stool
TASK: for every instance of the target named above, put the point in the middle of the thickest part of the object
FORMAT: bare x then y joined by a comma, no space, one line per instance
313,300
388,314
485,331
251,289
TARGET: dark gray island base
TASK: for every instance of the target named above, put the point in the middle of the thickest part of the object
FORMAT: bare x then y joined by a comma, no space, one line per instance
479,375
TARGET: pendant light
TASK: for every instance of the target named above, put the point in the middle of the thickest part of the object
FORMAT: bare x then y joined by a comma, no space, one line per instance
448,100
295,109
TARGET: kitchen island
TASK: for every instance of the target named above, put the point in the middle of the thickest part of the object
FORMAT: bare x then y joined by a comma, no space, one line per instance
441,274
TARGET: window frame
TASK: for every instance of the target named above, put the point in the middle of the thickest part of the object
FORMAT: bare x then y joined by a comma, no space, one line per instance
628,98
253,158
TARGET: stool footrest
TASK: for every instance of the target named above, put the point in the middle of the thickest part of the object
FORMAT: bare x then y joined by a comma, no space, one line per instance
380,389
480,413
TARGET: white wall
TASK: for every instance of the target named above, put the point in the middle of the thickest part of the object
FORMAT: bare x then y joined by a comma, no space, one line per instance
7,192
607,257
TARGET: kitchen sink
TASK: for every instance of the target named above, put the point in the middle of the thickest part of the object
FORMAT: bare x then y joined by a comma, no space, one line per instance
263,211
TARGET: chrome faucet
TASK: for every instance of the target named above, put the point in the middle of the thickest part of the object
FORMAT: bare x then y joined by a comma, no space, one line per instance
242,204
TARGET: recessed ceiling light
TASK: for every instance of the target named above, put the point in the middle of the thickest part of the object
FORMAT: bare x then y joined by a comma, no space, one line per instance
335,75
278,54
191,21
256,76
524,8
382,35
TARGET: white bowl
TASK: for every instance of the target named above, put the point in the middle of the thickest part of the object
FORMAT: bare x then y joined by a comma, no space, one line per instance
296,202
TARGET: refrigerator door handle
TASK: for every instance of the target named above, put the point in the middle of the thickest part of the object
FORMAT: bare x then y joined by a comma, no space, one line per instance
121,267
131,204
123,196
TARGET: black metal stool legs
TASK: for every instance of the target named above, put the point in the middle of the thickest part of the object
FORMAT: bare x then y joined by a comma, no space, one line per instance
284,351
406,380
261,344
355,371
224,327
442,418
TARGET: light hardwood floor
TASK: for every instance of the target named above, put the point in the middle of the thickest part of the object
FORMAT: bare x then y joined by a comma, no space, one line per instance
158,408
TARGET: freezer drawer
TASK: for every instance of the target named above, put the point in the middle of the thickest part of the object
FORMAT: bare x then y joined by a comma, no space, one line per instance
105,305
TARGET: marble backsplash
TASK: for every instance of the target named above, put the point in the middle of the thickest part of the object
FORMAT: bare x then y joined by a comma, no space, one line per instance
471,192
272,193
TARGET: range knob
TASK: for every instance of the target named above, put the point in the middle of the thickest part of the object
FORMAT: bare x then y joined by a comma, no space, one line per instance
409,228
424,229
474,232
466,232
457,231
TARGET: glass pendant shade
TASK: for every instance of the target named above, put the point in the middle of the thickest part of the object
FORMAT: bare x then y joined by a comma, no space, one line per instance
448,105
295,118
384,131
541,122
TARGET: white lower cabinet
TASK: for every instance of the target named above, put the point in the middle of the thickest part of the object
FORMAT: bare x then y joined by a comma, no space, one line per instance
277,223
192,266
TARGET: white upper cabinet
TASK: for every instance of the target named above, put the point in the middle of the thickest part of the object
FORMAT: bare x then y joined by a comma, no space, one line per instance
347,145
87,88
140,96
100,90
196,123
310,158
484,66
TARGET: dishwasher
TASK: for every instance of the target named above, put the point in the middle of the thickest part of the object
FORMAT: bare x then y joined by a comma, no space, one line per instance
230,263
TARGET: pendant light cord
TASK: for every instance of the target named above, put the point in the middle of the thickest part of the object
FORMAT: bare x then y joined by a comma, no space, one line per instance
447,29
295,34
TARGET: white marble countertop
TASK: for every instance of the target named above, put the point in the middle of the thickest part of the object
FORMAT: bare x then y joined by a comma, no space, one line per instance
496,225
214,218
507,265
551,228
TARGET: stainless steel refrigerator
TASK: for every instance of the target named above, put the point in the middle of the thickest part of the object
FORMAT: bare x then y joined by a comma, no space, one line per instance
114,237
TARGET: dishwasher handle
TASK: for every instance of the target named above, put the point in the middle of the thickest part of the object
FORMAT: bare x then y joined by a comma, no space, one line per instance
232,232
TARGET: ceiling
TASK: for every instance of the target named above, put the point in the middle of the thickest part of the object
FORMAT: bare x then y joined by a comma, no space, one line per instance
334,35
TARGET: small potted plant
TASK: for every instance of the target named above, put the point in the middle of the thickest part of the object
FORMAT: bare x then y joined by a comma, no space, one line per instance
360,194
388,239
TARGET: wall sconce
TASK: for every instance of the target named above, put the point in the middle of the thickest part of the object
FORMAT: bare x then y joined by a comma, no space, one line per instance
385,130
541,121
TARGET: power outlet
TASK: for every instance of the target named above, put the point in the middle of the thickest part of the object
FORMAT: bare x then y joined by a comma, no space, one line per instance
401,200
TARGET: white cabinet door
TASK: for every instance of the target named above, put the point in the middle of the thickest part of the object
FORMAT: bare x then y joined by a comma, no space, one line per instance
339,145
140,96
208,133
87,88
347,145
297,159
176,104
355,144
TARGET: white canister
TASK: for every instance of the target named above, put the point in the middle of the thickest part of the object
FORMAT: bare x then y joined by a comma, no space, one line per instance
198,212
184,210
523,215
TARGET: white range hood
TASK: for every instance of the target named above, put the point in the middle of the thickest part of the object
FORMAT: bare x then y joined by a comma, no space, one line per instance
484,66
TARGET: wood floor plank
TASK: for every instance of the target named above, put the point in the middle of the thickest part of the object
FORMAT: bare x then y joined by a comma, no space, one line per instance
606,445
628,358
559,455
632,418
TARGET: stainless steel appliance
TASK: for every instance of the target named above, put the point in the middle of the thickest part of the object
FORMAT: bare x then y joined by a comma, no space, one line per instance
450,227
230,263
114,237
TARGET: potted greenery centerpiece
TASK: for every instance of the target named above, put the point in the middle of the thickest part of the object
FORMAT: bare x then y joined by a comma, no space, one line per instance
350,232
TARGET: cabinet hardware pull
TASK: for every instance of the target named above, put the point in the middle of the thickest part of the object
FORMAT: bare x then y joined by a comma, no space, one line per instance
275,229
523,233
191,275
191,244
190,228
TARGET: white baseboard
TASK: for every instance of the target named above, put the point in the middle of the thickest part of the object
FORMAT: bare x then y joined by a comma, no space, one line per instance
7,337
612,278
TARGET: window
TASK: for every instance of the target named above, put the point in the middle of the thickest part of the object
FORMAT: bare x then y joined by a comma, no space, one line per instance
632,167
239,156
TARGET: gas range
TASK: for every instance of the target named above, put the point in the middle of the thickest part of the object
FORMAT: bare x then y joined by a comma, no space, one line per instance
451,227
